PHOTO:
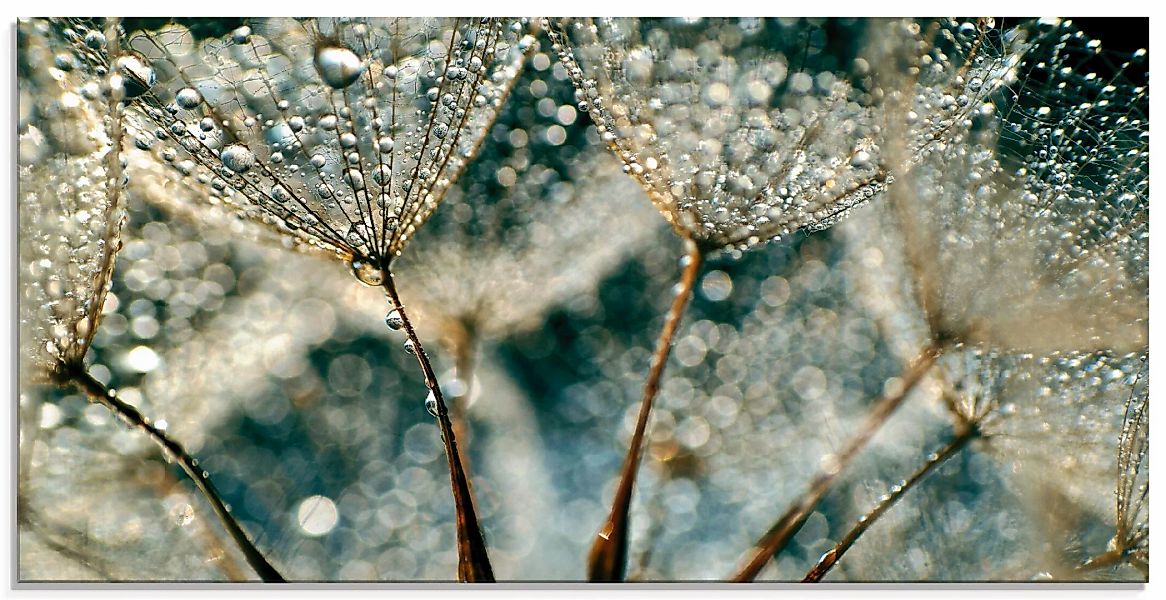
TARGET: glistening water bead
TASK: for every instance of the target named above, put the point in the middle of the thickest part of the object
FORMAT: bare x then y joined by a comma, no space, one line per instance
431,404
410,347
339,67
237,158
138,76
368,273
188,98
394,320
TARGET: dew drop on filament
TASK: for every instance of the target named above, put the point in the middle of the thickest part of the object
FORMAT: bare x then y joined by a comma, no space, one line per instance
339,67
431,404
394,320
367,272
237,158
188,98
138,76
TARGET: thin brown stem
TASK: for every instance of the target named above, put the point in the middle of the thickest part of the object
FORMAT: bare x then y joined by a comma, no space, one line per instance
607,560
784,529
473,561
215,550
831,557
98,393
1101,561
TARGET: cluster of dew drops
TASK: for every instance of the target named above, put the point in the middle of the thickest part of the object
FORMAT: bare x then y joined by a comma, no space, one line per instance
372,275
337,66
396,322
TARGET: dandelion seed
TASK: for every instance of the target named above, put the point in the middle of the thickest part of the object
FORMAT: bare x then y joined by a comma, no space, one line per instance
367,106
729,166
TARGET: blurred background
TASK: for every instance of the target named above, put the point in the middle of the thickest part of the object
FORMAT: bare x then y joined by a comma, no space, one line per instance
549,271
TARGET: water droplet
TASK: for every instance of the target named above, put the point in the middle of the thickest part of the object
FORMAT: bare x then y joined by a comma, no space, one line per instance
354,237
410,347
279,193
241,35
394,320
339,67
64,62
382,175
431,404
138,77
368,273
95,39
188,98
354,179
385,144
237,158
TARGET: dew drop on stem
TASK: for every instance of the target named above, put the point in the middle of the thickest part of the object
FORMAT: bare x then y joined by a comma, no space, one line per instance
237,158
431,404
394,320
338,66
188,98
368,273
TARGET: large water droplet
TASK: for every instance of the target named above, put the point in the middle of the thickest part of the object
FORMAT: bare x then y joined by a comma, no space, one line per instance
354,237
237,158
382,175
64,62
394,320
354,179
368,273
431,403
410,347
138,76
188,98
95,39
242,35
280,194
339,67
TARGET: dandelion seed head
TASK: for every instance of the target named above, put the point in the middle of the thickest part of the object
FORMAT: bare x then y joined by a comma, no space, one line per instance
731,148
306,126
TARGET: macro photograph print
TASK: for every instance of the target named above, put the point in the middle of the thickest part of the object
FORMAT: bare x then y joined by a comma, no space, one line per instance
412,300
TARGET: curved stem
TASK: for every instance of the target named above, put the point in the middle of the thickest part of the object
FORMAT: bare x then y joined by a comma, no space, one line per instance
473,561
97,392
213,544
782,531
607,560
831,557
